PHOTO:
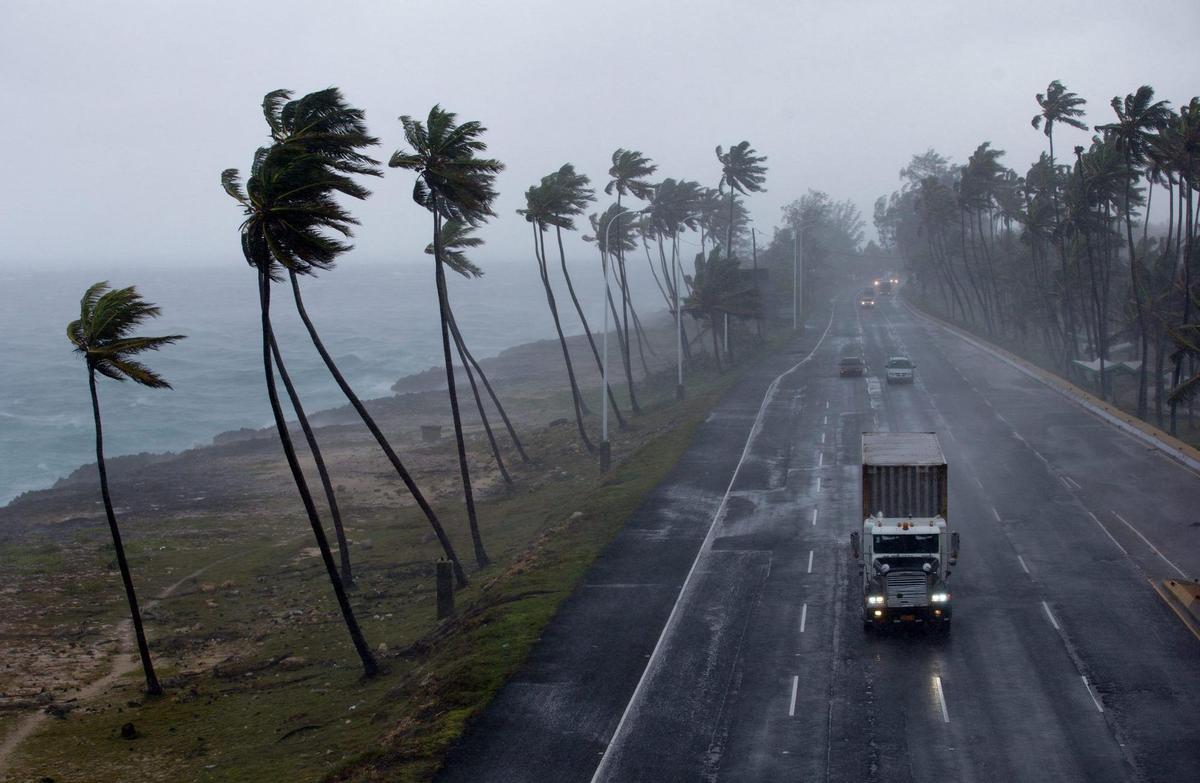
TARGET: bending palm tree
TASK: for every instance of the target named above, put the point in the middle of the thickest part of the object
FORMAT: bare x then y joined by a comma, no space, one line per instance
537,212
103,337
1139,116
327,135
453,184
717,289
742,172
629,171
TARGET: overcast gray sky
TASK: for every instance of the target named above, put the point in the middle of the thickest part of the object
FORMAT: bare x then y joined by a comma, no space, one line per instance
119,115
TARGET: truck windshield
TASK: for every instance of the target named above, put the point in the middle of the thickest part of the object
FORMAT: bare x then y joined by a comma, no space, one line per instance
915,544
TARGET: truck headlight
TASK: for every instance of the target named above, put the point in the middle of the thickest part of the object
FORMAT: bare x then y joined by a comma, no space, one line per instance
940,598
874,600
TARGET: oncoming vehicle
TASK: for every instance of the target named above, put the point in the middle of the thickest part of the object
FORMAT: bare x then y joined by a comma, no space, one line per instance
892,278
899,369
852,365
867,298
885,287
905,549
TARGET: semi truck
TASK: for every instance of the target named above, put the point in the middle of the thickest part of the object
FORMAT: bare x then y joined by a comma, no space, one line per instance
905,548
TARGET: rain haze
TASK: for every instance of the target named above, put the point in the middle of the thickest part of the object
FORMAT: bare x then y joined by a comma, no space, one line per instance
563,392
134,108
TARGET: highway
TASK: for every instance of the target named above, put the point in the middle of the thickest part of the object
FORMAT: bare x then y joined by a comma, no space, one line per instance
719,636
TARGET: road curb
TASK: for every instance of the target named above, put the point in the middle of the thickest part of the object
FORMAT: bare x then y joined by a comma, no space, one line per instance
1170,446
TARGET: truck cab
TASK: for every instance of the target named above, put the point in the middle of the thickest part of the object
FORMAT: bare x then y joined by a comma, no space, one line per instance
905,549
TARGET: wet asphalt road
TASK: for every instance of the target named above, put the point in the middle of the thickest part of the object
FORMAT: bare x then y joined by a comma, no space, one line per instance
748,661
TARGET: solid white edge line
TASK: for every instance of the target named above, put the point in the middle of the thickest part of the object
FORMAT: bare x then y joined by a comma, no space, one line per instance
937,682
1095,701
1133,432
1110,535
795,687
707,542
810,559
1050,614
803,617
1178,570
1022,561
995,513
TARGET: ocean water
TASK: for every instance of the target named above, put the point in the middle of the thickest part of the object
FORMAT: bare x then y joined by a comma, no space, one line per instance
379,320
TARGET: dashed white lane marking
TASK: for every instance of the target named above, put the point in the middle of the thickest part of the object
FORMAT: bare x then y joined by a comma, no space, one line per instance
825,420
941,697
1072,483
826,404
1050,614
818,483
1022,562
822,437
803,617
821,460
1178,570
814,516
1095,701
795,687
978,482
995,513
1110,535
810,559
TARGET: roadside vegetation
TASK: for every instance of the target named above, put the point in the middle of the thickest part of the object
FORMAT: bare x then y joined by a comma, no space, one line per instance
1067,263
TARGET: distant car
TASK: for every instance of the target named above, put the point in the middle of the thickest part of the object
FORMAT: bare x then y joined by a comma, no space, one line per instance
852,365
892,278
899,369
867,299
885,287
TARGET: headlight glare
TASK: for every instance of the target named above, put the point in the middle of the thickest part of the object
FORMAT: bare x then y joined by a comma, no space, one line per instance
940,598
874,600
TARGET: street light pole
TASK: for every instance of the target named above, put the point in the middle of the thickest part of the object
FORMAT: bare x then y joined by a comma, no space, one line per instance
605,447
797,275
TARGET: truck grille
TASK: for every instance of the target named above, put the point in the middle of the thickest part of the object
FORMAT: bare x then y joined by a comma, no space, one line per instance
907,588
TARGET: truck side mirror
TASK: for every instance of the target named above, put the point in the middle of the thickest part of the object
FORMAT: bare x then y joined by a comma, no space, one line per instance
954,548
854,545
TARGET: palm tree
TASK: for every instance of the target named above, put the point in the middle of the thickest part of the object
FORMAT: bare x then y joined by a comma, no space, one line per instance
719,290
1139,117
538,212
104,337
568,196
742,172
628,173
283,228
456,239
1060,106
453,183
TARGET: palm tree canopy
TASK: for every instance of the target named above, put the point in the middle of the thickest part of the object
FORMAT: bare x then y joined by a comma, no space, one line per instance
103,335
622,235
538,206
456,239
1058,104
720,286
289,200
451,179
1139,116
675,205
741,168
629,171
568,194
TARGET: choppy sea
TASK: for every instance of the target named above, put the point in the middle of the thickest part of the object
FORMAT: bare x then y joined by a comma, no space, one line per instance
379,320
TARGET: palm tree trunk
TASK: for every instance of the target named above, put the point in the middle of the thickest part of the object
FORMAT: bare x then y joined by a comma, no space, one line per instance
370,667
562,256
481,557
487,427
345,572
460,575
462,345
576,397
153,687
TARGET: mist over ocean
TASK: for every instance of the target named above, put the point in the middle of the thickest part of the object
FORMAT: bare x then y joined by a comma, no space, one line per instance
379,320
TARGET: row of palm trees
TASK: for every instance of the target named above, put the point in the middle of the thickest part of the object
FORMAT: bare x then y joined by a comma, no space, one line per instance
1066,259
296,225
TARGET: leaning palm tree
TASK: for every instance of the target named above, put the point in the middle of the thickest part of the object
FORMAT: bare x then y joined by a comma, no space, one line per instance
568,195
1060,106
453,183
456,240
718,289
325,136
1139,117
538,213
742,172
104,337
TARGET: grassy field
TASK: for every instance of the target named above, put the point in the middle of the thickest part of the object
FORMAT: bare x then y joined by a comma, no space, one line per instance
262,682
